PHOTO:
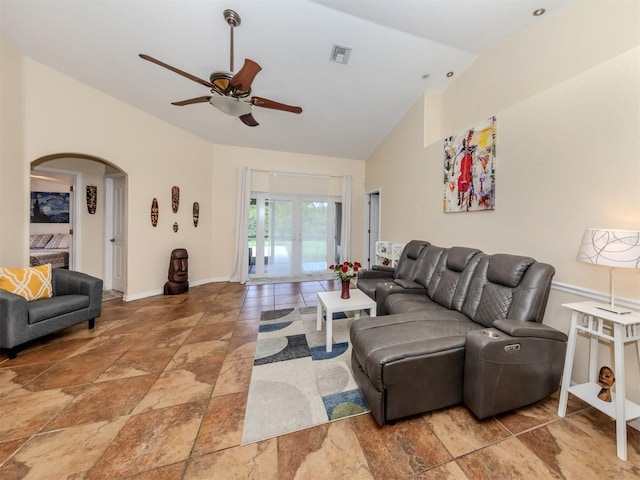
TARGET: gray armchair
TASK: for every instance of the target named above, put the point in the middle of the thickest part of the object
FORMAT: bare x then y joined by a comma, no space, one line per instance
77,297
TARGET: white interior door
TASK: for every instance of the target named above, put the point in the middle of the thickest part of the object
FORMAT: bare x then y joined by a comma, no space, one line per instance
117,245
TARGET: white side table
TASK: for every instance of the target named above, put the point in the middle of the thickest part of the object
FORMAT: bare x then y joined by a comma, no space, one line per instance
619,329
331,303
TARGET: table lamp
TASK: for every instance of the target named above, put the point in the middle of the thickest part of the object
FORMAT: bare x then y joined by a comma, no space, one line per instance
614,249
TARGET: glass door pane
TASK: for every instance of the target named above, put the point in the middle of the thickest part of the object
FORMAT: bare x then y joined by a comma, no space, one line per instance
281,238
251,233
290,235
314,236
258,237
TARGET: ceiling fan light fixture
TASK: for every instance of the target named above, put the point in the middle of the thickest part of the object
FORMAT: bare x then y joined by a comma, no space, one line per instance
230,106
229,89
220,81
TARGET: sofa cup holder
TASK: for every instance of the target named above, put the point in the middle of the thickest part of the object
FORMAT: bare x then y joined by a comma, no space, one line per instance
490,334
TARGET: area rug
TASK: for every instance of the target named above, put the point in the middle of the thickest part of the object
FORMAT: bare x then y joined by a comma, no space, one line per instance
295,382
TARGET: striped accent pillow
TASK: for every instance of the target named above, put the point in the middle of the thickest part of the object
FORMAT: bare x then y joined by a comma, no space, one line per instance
31,283
59,240
40,241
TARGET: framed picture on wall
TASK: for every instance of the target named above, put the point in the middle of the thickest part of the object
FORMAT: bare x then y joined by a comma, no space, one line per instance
49,207
469,168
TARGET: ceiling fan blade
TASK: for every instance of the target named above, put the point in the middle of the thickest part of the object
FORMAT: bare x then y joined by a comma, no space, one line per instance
176,70
191,101
266,103
244,78
248,120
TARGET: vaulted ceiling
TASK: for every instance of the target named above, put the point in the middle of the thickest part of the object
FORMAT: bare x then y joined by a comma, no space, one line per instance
400,49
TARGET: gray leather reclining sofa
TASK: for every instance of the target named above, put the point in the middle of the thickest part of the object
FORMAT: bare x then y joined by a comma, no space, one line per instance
77,297
456,325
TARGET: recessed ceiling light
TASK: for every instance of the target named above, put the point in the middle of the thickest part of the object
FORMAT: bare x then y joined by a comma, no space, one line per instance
449,74
538,12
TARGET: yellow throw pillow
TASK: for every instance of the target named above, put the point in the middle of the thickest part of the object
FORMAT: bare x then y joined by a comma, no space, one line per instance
31,283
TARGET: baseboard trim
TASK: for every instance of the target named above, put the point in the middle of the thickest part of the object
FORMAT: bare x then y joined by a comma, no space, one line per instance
559,286
594,295
209,280
141,295
160,291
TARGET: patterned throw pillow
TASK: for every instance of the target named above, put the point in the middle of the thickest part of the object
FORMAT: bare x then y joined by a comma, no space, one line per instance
31,283
39,241
59,240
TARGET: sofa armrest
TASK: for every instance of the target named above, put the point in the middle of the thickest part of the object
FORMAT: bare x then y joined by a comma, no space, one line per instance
69,282
383,268
517,328
378,271
13,316
511,365
12,305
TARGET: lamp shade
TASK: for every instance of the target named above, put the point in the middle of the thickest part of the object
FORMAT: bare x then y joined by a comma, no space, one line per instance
611,248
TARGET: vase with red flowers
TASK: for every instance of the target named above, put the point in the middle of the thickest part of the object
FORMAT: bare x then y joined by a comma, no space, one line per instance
345,271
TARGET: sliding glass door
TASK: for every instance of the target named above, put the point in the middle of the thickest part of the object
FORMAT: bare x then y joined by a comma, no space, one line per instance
291,235
317,236
283,253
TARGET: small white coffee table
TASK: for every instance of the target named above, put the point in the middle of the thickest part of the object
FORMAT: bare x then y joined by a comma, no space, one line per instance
331,303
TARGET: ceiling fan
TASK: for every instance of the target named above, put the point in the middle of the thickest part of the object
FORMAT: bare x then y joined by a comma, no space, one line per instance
230,91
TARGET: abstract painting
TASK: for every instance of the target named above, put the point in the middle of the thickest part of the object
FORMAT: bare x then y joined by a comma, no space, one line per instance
49,207
469,168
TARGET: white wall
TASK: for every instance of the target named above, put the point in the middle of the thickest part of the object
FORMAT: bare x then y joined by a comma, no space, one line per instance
14,177
567,103
65,116
570,42
62,116
228,160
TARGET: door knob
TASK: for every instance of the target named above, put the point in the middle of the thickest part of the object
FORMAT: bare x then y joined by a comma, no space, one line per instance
112,240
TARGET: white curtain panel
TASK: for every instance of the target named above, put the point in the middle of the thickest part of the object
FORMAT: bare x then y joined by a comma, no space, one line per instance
345,241
241,262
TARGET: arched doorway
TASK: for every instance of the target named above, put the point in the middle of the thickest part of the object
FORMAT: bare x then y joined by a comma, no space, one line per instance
98,237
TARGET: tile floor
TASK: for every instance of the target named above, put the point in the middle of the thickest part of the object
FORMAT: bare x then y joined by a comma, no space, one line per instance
158,389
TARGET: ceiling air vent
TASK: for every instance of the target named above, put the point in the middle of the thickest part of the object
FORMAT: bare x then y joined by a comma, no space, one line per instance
340,54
